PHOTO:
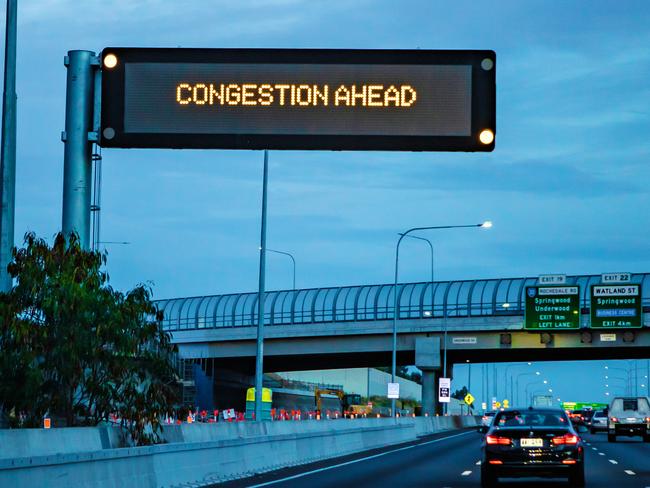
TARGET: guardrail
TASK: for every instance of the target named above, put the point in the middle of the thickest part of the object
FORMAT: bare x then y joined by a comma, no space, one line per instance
198,455
424,300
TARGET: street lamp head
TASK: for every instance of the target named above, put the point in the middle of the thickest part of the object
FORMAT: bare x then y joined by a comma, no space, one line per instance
487,224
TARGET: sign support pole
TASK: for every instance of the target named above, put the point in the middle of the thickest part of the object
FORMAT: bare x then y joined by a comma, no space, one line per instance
8,164
77,162
259,358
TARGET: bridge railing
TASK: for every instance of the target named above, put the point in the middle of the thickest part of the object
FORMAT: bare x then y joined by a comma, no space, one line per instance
425,300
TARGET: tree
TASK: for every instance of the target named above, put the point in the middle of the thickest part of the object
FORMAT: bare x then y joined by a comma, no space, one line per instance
460,394
74,348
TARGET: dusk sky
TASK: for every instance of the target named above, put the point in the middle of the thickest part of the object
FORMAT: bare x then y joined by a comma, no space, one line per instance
567,187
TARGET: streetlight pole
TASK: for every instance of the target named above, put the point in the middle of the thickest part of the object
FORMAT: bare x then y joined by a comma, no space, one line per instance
537,373
292,260
259,356
431,249
512,394
531,383
627,373
486,224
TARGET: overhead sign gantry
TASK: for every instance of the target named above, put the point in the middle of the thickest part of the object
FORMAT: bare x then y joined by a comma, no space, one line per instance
407,100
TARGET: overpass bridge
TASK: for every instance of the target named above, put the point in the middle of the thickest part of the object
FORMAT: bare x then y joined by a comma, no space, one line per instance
351,326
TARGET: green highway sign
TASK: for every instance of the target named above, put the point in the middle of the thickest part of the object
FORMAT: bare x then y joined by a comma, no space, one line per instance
552,307
616,306
582,405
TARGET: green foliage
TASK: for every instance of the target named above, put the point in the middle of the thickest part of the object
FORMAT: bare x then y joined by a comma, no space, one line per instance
76,349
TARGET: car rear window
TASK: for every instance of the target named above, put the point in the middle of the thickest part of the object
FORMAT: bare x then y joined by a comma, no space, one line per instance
631,404
542,419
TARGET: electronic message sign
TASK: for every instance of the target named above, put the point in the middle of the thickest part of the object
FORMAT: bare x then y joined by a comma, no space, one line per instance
552,307
407,100
616,306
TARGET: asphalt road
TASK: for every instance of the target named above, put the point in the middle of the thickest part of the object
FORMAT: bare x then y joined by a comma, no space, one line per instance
452,461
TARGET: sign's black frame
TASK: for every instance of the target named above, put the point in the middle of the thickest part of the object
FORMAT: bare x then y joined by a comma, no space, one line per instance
638,306
483,99
551,329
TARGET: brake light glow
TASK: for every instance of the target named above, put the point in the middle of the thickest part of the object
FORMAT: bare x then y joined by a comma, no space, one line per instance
496,440
569,461
613,419
647,419
566,439
496,461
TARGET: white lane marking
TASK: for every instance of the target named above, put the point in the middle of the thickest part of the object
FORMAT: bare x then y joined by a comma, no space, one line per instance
327,468
613,462
601,453
630,472
465,473
478,463
594,448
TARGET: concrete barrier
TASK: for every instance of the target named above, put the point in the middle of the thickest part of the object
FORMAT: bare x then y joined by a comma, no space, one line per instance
206,453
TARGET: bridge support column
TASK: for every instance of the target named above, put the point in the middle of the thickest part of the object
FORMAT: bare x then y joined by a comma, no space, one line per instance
429,399
427,359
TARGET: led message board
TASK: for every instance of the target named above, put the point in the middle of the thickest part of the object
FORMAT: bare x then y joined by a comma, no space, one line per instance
616,306
298,99
552,307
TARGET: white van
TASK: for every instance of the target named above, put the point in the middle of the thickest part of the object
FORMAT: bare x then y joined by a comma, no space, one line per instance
629,416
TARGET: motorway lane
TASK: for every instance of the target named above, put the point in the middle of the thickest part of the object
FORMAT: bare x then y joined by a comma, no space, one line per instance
452,461
629,454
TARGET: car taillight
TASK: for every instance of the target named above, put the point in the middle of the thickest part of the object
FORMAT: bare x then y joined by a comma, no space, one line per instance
647,419
496,440
613,419
566,439
484,418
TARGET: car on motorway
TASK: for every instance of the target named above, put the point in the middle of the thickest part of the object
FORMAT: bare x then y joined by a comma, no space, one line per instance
587,416
629,416
577,418
598,422
486,421
532,442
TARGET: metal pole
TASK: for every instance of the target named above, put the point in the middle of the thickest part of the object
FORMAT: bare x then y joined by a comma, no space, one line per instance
395,310
431,249
395,314
259,358
292,259
77,165
8,150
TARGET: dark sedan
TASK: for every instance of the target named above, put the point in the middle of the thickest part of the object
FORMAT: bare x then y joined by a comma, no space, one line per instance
539,442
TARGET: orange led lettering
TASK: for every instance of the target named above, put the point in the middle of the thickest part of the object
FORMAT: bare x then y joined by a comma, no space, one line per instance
233,96
218,95
342,95
361,95
200,94
406,91
322,95
296,95
302,98
391,95
248,94
179,95
282,89
374,97
265,95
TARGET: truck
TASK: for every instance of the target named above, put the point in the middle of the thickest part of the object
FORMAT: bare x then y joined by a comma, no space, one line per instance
542,401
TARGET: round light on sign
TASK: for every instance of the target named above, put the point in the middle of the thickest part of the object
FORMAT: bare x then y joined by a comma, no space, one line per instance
486,136
110,61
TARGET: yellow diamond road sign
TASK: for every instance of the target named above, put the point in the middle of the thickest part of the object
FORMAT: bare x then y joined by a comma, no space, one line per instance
469,399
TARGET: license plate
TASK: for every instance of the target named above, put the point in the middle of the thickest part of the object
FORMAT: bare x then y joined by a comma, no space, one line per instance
532,443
